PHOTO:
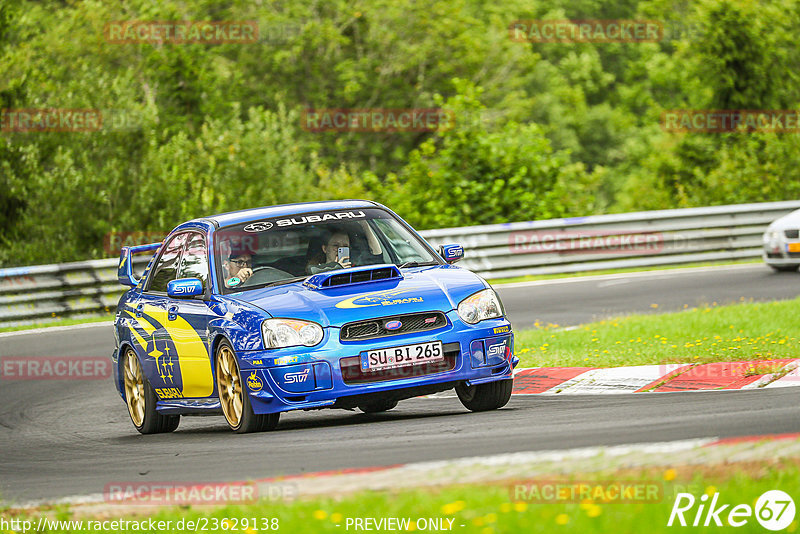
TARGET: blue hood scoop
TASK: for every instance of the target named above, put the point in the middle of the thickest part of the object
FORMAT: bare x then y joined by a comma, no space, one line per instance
354,276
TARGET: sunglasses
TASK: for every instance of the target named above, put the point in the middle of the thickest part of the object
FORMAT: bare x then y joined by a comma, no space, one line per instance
241,263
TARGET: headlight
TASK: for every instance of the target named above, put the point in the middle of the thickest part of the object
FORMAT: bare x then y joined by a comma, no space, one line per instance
482,305
280,333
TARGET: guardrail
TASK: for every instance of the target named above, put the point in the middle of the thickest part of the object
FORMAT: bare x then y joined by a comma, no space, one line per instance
640,239
46,292
43,293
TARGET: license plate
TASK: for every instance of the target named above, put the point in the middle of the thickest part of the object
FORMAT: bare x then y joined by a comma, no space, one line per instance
375,360
793,247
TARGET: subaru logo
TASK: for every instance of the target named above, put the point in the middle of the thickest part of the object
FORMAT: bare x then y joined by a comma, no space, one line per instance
392,325
262,226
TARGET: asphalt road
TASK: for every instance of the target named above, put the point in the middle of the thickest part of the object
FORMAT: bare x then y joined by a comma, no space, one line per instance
580,300
66,438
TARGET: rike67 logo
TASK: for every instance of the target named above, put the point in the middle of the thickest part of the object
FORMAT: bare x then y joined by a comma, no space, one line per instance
773,510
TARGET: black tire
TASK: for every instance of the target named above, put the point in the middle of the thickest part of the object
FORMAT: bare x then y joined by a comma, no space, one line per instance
784,268
484,397
255,423
377,406
248,421
152,421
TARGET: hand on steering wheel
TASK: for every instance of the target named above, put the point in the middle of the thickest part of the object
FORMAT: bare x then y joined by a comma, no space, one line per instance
245,273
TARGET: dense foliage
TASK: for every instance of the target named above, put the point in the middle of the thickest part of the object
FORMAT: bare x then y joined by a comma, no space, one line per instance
540,130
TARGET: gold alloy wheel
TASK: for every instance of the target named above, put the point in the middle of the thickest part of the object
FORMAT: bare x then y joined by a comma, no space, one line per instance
229,384
134,388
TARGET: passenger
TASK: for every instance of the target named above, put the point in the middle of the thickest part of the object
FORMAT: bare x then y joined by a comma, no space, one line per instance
329,258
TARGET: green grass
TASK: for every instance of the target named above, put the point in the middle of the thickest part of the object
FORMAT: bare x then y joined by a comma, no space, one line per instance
58,322
529,278
746,331
497,508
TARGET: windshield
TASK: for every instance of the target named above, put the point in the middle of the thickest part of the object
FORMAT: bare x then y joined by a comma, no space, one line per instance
287,249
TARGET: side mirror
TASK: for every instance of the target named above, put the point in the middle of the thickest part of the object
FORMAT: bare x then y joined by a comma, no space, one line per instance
451,253
184,288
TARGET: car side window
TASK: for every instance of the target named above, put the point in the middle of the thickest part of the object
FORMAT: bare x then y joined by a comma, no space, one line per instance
194,263
167,267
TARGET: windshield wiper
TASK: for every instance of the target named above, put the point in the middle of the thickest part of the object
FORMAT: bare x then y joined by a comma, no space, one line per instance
277,282
285,281
416,264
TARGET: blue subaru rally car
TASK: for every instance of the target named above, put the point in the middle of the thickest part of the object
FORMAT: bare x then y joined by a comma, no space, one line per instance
304,306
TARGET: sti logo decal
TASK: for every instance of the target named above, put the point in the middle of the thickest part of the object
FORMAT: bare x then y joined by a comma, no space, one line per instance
254,383
182,289
496,349
296,378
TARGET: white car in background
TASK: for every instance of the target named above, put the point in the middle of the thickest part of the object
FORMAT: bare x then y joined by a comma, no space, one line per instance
782,243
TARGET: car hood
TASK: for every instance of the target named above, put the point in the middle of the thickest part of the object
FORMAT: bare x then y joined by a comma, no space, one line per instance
790,221
440,287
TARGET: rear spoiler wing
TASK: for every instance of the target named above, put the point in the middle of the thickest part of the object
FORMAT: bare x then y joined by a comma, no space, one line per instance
125,269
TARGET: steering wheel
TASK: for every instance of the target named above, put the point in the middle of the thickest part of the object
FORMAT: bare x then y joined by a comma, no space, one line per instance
266,274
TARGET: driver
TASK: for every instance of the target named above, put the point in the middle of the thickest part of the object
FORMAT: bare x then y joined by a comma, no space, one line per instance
238,268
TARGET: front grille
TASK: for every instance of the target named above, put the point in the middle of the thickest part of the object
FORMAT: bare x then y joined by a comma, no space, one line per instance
410,323
352,373
791,234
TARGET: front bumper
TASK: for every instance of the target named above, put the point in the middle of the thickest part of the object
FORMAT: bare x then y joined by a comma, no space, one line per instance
781,251
327,375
